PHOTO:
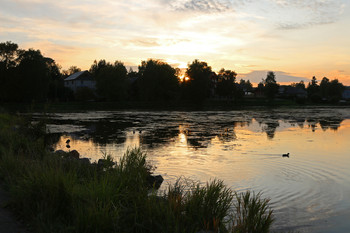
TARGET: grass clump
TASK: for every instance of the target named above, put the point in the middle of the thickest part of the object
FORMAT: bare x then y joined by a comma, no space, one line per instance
55,193
252,213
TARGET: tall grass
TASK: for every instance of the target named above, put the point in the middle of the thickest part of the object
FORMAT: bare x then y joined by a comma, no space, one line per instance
252,213
54,193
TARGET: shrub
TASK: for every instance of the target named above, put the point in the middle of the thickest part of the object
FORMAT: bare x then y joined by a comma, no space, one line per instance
252,213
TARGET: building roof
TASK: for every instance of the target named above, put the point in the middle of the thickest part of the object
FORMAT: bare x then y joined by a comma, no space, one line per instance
77,75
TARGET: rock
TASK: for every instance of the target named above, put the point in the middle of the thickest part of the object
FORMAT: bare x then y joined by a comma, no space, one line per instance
155,181
85,161
60,152
105,163
73,154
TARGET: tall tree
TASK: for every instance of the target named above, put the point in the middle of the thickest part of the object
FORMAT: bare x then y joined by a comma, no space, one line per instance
97,66
300,85
324,87
8,54
32,77
246,85
71,70
27,75
111,81
226,86
313,90
56,85
270,85
8,58
336,89
198,85
158,80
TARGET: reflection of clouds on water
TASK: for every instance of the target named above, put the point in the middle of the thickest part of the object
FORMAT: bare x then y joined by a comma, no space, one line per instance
244,148
200,128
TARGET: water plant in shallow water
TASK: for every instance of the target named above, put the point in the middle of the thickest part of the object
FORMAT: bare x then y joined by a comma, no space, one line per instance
251,213
55,193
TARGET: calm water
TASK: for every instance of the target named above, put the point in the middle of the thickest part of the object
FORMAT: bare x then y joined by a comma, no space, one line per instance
309,192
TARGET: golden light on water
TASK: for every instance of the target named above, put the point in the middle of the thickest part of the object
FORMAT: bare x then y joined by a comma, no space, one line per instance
243,148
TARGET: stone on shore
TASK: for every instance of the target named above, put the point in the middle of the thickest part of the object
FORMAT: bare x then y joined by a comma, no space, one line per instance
155,181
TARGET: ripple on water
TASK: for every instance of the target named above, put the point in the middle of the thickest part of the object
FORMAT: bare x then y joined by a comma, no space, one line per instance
308,192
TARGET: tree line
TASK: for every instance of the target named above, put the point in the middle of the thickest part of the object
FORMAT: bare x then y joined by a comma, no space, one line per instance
26,75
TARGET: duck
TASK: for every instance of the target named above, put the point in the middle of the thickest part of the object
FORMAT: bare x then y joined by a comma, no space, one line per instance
285,155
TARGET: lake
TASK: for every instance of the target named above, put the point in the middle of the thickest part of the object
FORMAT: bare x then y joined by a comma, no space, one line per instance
309,191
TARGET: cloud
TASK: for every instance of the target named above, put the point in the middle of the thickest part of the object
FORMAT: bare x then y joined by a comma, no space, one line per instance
305,14
282,77
62,54
221,32
202,5
142,42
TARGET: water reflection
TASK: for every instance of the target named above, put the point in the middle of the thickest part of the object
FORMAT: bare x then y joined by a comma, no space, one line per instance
309,191
154,130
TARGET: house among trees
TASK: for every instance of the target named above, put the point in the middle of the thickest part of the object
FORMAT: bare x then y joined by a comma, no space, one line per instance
79,80
346,93
288,91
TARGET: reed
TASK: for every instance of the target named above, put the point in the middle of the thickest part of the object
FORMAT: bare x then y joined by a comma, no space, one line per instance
252,213
55,193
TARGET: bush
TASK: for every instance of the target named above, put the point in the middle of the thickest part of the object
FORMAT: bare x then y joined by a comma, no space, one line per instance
252,214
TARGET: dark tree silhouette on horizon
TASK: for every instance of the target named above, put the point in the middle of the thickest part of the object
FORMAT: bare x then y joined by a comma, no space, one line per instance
26,75
330,91
111,82
197,88
157,81
313,90
226,86
71,70
270,85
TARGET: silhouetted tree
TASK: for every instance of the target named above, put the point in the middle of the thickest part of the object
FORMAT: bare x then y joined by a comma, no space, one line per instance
27,75
300,85
260,88
133,86
313,91
71,70
329,90
32,76
226,83
335,90
324,87
111,81
56,90
246,86
8,60
270,85
8,54
132,74
197,88
157,81
97,66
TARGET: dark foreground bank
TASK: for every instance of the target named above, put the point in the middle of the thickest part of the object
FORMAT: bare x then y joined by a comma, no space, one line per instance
54,192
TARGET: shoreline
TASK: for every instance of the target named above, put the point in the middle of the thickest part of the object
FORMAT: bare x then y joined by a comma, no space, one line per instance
158,106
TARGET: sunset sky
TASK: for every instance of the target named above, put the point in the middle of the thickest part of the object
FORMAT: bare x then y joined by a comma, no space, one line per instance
295,38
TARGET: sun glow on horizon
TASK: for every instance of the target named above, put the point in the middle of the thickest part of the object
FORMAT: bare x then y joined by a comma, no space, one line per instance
293,37
183,78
